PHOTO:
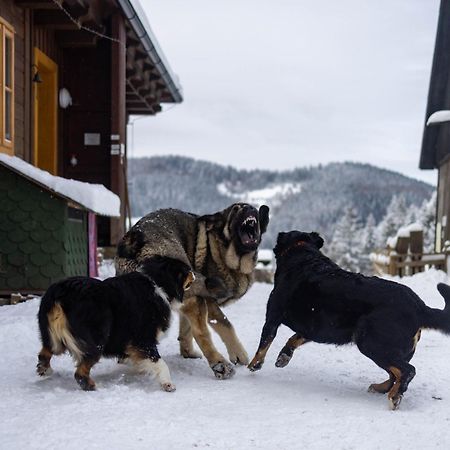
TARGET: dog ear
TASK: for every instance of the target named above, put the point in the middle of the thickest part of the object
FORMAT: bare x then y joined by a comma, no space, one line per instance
317,239
281,243
213,221
263,218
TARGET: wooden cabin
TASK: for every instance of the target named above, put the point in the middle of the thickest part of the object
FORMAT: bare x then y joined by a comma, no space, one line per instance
71,73
435,152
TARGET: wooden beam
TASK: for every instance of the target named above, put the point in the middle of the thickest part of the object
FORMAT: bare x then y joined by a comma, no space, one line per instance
79,38
118,125
54,19
42,4
136,104
139,112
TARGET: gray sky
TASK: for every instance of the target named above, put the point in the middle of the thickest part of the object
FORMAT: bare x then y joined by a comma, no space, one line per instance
280,84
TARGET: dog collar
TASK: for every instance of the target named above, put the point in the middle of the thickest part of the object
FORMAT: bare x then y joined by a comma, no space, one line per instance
297,244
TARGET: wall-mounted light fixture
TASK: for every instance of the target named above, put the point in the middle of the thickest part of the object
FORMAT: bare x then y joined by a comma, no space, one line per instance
36,77
65,99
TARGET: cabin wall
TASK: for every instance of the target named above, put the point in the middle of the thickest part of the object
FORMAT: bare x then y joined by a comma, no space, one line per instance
443,206
86,124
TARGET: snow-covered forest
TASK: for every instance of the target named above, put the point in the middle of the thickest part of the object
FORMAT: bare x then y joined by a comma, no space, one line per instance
354,240
355,207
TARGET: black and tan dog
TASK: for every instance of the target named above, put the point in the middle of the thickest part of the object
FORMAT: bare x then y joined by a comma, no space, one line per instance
323,303
123,316
221,249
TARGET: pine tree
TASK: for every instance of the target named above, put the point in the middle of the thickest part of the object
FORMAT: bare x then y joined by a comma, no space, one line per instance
345,248
427,217
368,244
393,220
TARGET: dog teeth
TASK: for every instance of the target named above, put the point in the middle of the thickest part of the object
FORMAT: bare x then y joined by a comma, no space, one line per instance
249,219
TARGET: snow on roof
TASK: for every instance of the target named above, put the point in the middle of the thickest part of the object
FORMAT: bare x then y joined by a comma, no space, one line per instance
404,232
94,197
439,117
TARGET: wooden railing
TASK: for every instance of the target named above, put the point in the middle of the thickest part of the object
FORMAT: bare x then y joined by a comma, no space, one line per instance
389,262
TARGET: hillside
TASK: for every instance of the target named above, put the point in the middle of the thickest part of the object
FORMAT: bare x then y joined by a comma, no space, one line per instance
310,198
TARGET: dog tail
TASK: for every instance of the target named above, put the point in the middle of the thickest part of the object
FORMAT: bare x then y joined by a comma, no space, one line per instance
60,336
439,319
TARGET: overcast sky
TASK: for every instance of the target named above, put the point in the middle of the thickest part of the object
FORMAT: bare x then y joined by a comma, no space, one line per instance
280,84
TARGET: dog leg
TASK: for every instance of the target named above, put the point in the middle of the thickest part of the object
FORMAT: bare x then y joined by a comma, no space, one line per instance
82,374
43,367
196,311
159,369
267,336
149,362
223,327
186,339
287,351
403,377
383,388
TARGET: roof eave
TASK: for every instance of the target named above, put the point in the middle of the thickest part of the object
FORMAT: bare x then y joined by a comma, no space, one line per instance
138,21
437,87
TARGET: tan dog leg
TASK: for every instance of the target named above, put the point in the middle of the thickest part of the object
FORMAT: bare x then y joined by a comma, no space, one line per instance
223,327
196,311
287,351
186,339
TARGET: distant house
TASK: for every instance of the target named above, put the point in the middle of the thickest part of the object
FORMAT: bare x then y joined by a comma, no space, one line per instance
435,152
71,74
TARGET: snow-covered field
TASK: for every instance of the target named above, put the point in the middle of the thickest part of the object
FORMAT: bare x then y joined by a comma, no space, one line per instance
319,401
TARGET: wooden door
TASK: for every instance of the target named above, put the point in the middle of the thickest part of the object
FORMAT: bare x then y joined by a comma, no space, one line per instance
45,113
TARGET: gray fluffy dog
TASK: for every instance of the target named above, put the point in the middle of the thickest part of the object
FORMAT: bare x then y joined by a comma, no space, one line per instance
221,249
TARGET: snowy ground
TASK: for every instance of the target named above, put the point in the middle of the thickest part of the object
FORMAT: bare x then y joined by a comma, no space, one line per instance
318,402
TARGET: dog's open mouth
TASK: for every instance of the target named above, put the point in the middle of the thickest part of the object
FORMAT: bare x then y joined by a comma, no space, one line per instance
249,231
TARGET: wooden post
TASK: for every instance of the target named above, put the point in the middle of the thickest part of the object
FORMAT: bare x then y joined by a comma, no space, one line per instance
118,121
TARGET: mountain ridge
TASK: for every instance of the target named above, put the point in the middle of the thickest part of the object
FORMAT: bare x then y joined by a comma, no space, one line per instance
309,198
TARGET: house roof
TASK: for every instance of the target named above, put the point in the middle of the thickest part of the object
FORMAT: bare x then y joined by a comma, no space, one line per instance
436,136
138,20
94,197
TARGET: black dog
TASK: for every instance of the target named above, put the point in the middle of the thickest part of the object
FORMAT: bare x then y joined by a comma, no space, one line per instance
122,316
325,304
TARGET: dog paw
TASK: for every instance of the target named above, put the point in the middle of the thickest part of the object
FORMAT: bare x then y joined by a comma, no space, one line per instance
190,354
87,384
394,402
238,357
223,370
43,371
282,360
254,366
168,387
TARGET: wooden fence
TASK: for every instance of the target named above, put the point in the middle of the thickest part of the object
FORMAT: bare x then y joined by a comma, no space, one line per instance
392,263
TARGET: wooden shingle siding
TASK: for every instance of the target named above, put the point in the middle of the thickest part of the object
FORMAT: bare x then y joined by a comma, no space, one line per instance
39,242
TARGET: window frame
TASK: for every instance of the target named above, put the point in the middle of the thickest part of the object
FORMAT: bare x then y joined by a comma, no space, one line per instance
6,32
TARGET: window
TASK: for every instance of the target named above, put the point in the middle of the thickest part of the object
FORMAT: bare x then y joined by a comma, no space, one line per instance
6,87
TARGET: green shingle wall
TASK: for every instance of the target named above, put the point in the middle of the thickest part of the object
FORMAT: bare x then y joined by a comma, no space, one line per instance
39,244
76,246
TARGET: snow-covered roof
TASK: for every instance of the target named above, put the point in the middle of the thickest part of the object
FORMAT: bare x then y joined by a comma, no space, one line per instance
439,117
94,197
